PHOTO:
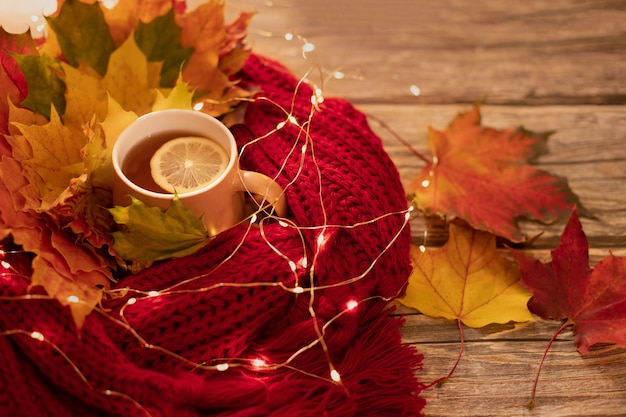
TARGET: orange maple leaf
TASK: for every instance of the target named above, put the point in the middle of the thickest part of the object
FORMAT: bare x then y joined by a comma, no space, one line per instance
481,175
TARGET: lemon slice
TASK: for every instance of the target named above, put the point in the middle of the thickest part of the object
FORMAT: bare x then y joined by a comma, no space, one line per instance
188,163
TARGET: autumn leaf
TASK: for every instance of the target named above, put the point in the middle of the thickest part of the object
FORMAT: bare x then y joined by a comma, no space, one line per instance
12,80
180,97
86,95
481,175
131,79
160,41
124,17
44,85
49,165
152,234
592,300
88,42
62,268
467,280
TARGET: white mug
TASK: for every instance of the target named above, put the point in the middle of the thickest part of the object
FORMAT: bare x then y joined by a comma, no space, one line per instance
220,203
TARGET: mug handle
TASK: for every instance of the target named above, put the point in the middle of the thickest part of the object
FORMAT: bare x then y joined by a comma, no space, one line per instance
264,190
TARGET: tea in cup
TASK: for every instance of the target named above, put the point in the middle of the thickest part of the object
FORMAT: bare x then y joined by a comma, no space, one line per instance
192,155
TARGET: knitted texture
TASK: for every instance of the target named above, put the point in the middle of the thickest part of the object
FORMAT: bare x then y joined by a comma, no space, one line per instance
225,304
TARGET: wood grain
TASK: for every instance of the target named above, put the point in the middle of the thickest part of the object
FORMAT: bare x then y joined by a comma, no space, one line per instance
552,66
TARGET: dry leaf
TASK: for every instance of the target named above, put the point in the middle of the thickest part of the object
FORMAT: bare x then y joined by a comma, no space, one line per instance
482,176
467,280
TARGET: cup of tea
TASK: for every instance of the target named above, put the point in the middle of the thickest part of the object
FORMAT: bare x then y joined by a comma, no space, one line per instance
220,201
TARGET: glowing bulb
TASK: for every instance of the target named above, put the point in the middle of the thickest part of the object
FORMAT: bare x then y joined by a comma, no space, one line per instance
352,304
289,36
304,262
131,301
415,90
259,363
280,125
321,239
298,290
37,336
308,47
422,248
253,218
339,75
425,183
73,299
283,223
109,4
334,375
153,293
303,149
5,265
292,266
222,367
198,106
293,120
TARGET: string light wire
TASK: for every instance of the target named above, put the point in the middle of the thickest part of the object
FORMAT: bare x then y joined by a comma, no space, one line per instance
325,231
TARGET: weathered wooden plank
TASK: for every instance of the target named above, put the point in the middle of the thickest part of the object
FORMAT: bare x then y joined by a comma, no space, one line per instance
495,379
525,52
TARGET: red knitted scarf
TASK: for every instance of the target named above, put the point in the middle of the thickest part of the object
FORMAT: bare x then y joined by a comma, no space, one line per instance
157,356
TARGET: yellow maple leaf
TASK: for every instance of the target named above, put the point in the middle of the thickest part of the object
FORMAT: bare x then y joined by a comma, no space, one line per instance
49,165
467,280
85,95
179,97
130,79
115,121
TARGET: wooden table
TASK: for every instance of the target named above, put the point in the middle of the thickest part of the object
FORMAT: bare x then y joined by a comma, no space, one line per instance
556,65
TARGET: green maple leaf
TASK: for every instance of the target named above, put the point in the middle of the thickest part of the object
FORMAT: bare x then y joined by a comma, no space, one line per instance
160,41
83,35
44,84
153,234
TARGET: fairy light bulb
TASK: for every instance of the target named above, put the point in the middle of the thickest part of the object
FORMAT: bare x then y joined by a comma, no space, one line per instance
37,336
259,363
222,367
335,376
5,265
321,239
153,293
73,299
352,304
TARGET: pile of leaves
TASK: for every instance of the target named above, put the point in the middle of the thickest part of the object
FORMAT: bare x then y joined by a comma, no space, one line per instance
66,100
481,181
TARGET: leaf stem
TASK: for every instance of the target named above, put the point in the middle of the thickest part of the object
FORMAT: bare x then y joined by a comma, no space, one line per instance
440,381
531,402
399,139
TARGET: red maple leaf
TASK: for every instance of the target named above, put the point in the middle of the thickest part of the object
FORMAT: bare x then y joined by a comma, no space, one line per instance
482,176
593,300
12,81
